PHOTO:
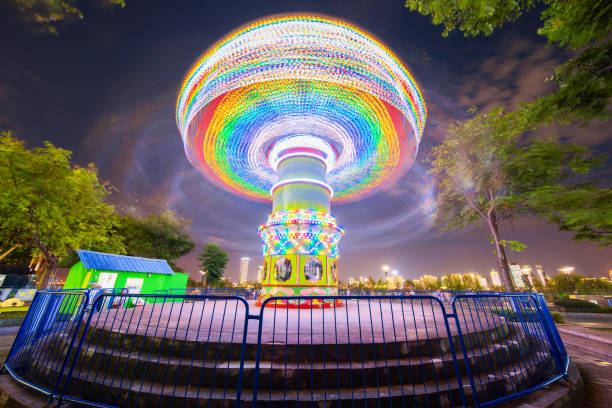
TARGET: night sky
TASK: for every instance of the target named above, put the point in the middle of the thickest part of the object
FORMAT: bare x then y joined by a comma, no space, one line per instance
105,88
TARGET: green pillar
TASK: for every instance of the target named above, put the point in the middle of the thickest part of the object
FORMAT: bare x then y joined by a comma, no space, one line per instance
300,236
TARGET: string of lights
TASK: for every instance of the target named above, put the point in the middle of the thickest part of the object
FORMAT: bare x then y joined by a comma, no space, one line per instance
304,232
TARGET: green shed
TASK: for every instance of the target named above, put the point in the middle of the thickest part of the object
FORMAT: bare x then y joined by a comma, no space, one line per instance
137,275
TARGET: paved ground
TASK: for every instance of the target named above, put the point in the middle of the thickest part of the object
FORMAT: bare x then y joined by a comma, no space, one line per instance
7,335
592,356
592,320
356,322
588,340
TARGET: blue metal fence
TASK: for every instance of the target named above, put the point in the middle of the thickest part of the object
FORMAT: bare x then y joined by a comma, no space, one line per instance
521,355
208,349
39,353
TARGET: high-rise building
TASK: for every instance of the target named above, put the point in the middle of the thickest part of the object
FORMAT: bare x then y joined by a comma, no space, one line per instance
517,276
244,269
495,281
527,275
540,274
259,273
483,282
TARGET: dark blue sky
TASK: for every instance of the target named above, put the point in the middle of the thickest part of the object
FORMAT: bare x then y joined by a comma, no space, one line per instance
105,87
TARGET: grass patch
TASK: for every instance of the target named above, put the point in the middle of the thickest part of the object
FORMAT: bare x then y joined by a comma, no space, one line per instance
558,317
14,315
511,316
581,306
605,329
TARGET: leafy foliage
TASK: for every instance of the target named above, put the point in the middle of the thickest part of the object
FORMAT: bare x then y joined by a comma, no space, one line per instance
584,83
485,174
213,261
563,285
46,13
192,283
577,305
557,317
160,236
453,281
47,203
574,23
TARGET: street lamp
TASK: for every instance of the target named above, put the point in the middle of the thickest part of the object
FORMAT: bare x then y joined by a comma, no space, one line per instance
385,269
394,272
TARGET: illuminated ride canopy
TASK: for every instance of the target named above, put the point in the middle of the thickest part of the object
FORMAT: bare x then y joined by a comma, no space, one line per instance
300,109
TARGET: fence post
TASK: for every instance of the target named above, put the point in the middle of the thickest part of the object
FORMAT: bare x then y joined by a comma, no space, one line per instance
24,325
69,375
466,359
452,348
554,347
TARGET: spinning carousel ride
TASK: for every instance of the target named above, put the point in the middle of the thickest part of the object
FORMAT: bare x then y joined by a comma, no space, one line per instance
300,110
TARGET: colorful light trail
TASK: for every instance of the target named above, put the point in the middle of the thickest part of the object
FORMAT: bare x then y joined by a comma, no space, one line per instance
304,75
300,109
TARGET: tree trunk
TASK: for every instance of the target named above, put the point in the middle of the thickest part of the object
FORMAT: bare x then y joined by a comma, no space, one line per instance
502,261
51,260
6,253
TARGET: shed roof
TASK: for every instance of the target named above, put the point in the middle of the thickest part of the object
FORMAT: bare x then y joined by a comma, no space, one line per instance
113,262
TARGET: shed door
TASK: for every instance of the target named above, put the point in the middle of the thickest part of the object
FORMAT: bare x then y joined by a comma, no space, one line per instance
107,280
134,285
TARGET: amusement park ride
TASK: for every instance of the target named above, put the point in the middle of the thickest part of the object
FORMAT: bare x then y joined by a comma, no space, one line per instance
302,109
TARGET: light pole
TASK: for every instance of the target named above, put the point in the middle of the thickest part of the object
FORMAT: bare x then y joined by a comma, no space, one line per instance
385,269
203,276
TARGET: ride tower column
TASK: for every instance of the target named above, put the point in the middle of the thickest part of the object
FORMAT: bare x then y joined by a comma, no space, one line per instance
300,236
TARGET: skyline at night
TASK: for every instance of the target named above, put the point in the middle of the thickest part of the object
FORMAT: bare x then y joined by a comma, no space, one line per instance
106,88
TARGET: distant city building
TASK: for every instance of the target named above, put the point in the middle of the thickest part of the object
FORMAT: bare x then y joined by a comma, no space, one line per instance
244,270
517,276
495,281
483,282
527,275
351,280
259,273
540,274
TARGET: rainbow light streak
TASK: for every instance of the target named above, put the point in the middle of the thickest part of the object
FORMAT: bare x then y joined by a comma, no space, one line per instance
300,75
304,232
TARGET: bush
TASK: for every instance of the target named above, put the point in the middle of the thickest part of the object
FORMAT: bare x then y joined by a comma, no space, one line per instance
558,318
577,305
13,315
512,316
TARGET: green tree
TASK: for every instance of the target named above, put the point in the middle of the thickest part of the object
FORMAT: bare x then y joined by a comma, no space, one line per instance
583,84
213,261
48,204
47,13
453,281
565,285
160,236
485,175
